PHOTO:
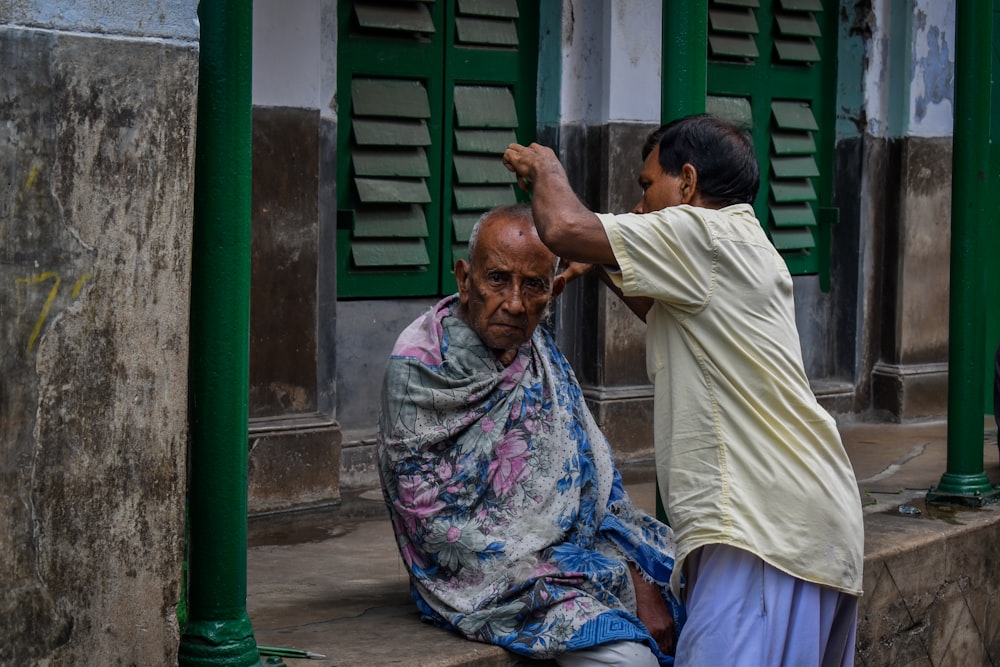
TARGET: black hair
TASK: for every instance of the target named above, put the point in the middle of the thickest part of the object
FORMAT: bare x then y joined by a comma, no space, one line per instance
721,152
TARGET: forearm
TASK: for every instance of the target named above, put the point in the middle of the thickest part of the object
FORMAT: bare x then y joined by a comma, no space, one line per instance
565,225
639,305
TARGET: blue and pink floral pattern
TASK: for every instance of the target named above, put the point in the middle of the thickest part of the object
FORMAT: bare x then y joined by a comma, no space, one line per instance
509,513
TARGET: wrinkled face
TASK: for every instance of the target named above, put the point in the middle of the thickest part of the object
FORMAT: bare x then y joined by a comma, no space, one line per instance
506,290
659,189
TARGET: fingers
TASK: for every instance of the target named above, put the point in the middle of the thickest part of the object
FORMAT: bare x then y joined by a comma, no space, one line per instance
515,158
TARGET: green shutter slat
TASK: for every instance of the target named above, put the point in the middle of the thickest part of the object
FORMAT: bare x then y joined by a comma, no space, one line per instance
737,3
485,106
372,132
392,191
802,5
484,141
734,109
389,254
793,215
462,224
793,116
795,167
793,239
733,20
789,143
798,25
796,51
501,8
390,221
733,46
397,98
787,191
460,252
488,32
406,163
405,17
480,198
482,169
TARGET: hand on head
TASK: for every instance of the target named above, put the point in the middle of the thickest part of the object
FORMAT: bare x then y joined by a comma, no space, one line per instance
528,161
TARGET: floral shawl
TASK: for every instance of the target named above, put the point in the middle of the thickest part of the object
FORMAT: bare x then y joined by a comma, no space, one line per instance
508,511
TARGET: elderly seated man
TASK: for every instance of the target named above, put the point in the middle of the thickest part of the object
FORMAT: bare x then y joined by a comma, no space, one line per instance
508,510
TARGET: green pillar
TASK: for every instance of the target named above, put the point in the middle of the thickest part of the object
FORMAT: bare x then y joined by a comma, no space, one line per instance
965,481
218,630
684,78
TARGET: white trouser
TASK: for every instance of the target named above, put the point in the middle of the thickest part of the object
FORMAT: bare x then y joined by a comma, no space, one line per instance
743,612
618,654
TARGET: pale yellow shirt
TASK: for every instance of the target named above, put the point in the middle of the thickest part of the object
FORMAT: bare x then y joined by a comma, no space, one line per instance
745,455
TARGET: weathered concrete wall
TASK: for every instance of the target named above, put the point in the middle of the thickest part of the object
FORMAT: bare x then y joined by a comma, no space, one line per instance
96,143
910,380
931,588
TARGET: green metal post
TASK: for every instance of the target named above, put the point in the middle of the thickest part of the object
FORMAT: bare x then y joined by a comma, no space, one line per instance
684,78
218,630
965,481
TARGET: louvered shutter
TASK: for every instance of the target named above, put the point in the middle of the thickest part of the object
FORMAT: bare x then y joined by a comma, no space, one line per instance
492,105
485,124
784,84
429,96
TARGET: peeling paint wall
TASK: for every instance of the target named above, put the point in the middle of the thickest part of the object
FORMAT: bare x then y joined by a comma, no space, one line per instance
96,146
909,66
903,55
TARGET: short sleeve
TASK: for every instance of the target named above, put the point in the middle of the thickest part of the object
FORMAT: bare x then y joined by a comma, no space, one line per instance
669,255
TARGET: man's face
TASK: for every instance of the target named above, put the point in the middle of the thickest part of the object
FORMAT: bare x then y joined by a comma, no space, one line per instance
508,287
659,189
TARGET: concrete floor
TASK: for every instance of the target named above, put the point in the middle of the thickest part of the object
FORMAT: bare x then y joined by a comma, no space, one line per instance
331,581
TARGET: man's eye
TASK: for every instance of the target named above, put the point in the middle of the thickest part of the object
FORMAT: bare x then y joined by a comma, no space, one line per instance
535,285
495,278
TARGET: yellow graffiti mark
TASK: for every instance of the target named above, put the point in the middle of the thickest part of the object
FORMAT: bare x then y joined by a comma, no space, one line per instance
29,183
32,177
34,280
79,284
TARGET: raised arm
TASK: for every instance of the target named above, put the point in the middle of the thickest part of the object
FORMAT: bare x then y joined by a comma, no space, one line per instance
564,224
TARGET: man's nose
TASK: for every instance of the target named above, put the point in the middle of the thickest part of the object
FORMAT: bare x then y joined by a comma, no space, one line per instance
638,207
513,303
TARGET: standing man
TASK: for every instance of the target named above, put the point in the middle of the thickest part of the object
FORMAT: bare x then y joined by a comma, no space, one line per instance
508,511
755,479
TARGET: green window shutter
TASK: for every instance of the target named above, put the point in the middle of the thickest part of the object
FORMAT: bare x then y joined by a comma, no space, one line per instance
793,198
480,180
784,97
389,164
732,30
429,95
796,30
396,18
389,64
491,73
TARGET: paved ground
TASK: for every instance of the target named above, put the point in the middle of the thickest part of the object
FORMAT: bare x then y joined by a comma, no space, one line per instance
331,582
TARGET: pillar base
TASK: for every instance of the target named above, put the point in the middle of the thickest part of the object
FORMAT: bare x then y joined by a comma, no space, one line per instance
223,643
966,490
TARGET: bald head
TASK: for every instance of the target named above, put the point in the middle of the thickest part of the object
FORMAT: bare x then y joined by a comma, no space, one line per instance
509,280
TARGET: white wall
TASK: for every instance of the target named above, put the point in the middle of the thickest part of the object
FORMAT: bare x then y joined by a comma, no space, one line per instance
286,53
611,61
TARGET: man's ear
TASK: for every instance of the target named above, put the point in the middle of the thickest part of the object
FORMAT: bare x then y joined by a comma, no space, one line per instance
462,278
558,285
689,183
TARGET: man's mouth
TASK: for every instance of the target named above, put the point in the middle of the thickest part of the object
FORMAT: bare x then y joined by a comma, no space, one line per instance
508,326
